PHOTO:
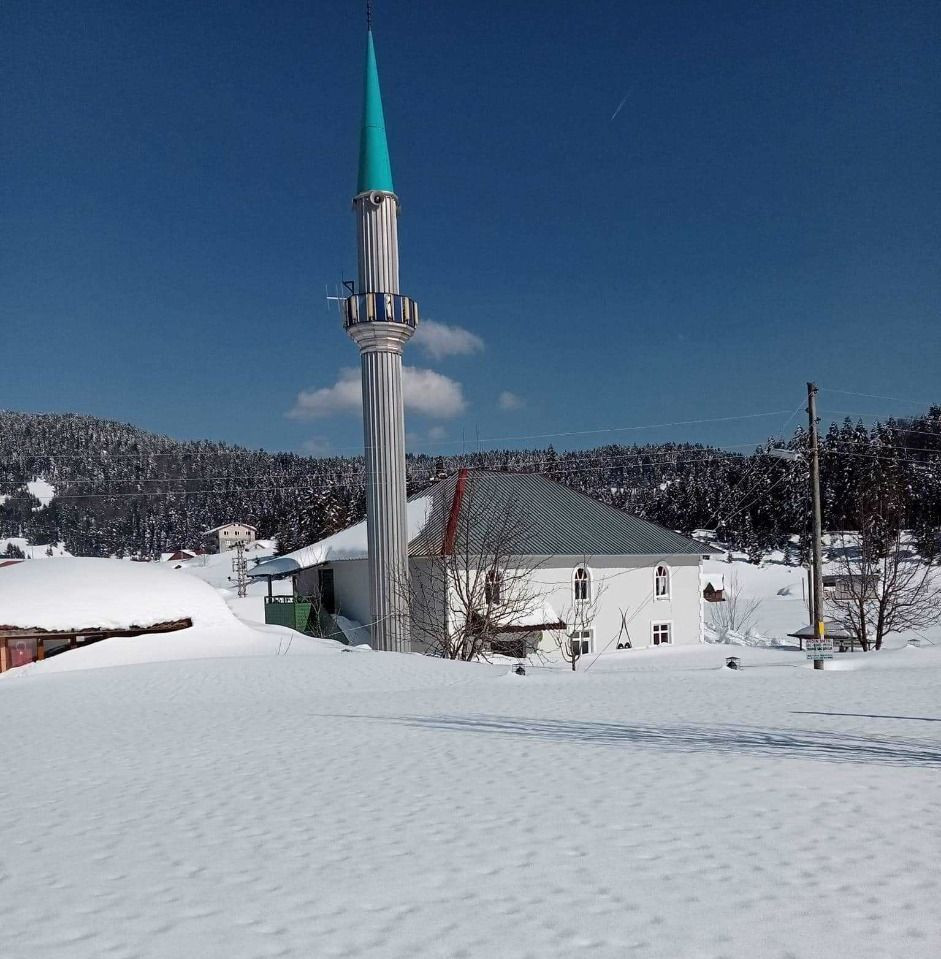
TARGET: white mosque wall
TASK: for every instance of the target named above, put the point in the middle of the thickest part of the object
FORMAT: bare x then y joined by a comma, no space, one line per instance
621,586
624,585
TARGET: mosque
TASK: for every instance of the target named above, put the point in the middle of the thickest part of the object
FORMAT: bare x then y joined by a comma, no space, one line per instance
578,574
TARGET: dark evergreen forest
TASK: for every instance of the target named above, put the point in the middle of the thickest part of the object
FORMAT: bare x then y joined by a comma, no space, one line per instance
122,491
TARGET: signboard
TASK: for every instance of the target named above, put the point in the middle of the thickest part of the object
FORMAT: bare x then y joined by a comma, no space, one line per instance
821,648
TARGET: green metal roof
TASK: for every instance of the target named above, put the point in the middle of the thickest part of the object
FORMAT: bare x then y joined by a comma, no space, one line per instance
551,520
375,170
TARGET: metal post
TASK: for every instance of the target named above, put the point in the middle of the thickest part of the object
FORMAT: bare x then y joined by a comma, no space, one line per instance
817,531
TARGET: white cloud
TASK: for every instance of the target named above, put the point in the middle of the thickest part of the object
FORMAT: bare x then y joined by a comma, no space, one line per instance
426,392
510,401
439,340
431,393
437,433
316,446
344,395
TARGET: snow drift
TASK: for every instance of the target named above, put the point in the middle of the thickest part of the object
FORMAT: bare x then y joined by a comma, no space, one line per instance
104,594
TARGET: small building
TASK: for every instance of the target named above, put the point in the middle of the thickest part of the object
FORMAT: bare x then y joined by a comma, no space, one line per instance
843,639
847,586
229,535
176,556
595,576
713,587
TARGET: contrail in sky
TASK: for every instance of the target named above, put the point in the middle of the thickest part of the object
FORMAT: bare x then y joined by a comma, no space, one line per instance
621,104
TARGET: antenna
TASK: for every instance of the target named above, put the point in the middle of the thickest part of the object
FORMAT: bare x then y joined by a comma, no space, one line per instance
369,14
337,298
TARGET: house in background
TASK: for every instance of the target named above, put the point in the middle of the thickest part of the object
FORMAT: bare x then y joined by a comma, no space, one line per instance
229,535
847,586
177,555
597,577
713,587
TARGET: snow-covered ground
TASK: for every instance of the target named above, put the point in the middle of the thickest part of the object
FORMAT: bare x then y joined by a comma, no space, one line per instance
361,804
781,593
40,487
76,594
245,791
216,569
33,550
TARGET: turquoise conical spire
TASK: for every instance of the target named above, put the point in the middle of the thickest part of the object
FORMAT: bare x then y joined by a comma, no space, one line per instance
375,170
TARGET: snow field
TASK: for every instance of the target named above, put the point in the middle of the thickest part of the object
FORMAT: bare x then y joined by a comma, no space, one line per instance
358,804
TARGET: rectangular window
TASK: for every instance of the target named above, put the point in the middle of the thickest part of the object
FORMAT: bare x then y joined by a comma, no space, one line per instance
662,634
580,641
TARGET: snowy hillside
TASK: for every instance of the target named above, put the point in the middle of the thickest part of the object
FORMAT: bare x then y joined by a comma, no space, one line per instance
216,569
31,550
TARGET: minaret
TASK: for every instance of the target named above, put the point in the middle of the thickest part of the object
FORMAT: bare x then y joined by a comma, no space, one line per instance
380,320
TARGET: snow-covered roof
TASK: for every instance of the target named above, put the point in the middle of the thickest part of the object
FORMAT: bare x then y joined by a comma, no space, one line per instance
73,593
830,628
541,615
715,580
177,554
348,544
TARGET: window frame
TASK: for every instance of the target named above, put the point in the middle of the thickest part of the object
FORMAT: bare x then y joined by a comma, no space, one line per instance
577,580
656,581
493,583
665,623
585,635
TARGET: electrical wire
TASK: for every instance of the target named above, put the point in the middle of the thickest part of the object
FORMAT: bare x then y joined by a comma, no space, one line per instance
877,396
484,439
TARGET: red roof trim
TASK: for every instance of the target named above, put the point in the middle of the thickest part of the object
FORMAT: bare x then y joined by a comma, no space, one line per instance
447,547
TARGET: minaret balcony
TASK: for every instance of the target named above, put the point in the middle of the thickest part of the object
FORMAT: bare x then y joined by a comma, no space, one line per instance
380,308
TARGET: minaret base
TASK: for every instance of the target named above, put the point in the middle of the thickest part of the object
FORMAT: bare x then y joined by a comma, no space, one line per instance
386,514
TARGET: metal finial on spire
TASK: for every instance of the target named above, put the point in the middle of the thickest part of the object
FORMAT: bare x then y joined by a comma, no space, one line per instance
369,14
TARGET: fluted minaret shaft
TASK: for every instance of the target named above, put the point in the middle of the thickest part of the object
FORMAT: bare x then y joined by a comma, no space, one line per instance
381,342
378,235
387,526
380,320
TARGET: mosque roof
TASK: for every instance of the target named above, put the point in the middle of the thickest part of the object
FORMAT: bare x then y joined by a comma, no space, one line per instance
465,511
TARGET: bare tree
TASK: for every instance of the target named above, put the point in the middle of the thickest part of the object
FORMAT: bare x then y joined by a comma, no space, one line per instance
478,592
736,613
883,587
579,616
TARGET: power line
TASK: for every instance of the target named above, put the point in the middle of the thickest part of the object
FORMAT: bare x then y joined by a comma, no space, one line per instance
145,494
484,439
878,396
622,429
642,458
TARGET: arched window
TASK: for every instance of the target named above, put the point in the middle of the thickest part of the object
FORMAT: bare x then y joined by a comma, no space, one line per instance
661,582
493,588
581,585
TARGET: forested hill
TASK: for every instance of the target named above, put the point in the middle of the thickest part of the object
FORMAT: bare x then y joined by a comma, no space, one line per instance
123,491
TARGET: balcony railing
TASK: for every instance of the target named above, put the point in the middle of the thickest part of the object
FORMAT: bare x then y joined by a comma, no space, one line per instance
380,308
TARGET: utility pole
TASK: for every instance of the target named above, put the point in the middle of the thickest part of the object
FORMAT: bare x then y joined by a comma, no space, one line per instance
818,641
240,568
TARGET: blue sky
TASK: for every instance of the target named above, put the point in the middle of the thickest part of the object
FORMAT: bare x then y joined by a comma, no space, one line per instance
763,209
